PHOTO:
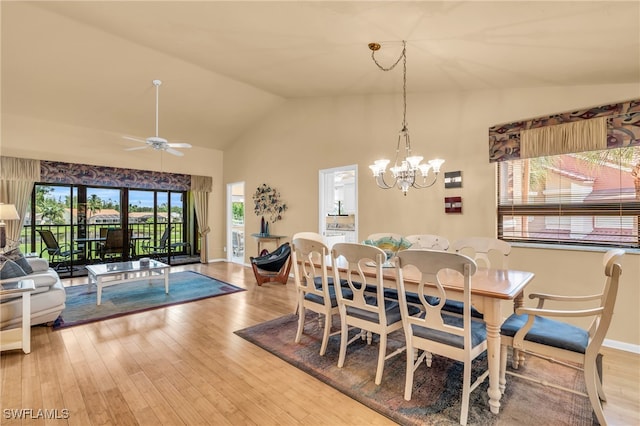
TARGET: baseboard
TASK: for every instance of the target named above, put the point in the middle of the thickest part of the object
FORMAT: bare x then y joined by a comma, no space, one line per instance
621,346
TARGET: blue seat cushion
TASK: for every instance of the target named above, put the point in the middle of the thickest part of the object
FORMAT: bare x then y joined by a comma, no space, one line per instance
455,307
478,332
392,311
548,332
315,298
392,293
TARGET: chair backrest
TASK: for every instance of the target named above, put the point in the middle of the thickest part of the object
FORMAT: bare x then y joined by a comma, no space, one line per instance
349,262
309,236
103,232
428,241
165,236
115,240
483,250
309,267
427,268
49,240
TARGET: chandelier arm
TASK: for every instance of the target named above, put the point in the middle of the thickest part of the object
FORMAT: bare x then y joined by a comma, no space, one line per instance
383,184
416,185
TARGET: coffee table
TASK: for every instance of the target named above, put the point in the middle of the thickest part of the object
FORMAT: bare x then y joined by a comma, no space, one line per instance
104,275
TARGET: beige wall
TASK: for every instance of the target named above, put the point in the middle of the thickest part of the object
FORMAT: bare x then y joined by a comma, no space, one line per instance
305,135
28,138
288,148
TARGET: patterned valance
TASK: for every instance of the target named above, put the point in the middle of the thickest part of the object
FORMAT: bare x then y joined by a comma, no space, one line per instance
565,132
83,174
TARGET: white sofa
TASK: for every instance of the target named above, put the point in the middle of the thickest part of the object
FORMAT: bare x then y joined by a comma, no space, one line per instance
47,301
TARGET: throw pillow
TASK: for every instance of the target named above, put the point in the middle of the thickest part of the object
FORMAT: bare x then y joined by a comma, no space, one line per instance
17,256
11,269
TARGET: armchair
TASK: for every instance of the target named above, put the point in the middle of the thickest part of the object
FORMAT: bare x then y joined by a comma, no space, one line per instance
533,331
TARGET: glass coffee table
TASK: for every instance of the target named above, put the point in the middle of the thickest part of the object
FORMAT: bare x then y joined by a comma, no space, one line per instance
108,274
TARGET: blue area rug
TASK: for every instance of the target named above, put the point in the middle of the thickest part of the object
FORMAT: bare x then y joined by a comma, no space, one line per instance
129,298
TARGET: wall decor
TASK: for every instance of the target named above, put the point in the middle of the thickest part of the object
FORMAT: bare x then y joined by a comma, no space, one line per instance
453,204
453,179
267,202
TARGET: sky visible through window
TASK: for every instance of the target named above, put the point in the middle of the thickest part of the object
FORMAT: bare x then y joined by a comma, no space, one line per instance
138,198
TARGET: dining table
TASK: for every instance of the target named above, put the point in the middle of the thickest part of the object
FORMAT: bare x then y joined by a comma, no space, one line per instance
489,289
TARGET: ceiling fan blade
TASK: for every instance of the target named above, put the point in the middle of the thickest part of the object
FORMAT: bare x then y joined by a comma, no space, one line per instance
179,145
131,138
174,152
136,148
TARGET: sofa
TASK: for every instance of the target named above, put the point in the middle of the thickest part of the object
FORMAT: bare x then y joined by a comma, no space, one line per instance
47,301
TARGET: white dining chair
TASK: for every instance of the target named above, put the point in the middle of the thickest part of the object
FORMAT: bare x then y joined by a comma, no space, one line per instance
365,307
428,241
486,251
315,290
533,331
436,331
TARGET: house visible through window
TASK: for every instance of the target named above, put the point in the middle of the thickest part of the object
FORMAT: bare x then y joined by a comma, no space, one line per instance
588,198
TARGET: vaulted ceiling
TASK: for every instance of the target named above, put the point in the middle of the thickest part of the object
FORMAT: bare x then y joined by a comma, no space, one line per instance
225,65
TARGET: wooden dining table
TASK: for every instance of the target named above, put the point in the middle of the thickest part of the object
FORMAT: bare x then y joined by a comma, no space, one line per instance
489,288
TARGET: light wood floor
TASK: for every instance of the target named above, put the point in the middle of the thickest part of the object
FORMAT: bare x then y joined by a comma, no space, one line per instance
184,365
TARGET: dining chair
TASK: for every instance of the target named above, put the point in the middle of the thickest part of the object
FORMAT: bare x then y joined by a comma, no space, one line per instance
113,245
428,241
489,252
309,235
533,331
436,331
315,292
364,306
60,254
160,249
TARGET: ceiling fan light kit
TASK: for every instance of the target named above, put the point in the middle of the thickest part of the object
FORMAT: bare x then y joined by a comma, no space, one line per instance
156,142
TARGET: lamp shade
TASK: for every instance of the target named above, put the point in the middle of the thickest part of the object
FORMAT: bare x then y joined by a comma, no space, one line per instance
8,212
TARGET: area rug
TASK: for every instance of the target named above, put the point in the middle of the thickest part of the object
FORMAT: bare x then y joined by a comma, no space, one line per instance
437,390
129,298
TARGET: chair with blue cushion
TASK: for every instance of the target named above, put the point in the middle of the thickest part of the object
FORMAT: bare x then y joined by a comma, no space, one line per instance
315,290
428,241
533,331
359,267
436,331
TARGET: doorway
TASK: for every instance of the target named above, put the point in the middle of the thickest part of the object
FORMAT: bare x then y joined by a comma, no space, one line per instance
338,215
235,222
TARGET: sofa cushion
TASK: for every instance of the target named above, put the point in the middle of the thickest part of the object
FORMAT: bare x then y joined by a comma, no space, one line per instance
17,256
11,269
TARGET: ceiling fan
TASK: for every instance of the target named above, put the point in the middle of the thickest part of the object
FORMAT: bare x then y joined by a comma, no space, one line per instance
156,142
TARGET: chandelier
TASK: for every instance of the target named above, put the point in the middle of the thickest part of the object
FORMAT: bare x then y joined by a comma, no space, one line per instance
408,171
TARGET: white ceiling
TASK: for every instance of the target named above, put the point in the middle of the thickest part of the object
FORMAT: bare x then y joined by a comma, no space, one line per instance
225,65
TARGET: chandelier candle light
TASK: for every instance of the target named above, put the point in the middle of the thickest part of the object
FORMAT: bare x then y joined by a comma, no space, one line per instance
404,171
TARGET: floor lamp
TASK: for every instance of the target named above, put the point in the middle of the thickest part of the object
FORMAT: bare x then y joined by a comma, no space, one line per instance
7,212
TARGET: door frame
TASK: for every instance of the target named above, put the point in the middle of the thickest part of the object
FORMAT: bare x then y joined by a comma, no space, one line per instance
322,213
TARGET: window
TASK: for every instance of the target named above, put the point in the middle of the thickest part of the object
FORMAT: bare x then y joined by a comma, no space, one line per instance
585,199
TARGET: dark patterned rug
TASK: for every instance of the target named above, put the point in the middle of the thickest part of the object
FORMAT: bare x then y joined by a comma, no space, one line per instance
437,390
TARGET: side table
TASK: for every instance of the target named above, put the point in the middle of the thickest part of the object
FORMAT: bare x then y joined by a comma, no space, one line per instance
20,337
266,238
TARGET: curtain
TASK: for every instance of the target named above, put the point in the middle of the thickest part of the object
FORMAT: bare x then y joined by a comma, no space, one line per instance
589,129
201,186
17,177
576,136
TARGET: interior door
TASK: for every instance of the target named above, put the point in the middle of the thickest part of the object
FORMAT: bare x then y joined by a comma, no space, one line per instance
338,211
